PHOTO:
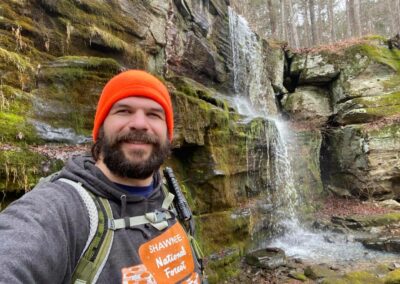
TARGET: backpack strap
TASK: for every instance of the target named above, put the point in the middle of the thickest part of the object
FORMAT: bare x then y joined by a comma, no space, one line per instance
158,219
90,207
98,245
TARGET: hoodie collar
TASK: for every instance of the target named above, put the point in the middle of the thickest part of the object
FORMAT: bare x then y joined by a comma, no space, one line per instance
82,169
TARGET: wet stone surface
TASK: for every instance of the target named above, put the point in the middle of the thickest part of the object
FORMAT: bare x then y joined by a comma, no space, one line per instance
267,258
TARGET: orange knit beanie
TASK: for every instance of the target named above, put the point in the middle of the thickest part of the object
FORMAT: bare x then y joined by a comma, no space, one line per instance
133,83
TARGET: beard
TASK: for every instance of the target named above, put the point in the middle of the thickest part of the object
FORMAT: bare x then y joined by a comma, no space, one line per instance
135,167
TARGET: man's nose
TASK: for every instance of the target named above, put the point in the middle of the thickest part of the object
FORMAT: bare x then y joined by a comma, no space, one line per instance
138,121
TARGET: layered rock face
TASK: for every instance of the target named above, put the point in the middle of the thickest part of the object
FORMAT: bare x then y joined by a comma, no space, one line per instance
353,97
55,57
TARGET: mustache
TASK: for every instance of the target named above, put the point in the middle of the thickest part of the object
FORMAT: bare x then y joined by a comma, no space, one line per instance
136,136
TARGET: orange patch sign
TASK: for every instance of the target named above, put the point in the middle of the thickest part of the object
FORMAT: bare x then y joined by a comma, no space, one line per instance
168,257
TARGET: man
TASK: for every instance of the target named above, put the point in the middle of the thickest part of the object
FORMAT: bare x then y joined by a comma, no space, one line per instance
44,234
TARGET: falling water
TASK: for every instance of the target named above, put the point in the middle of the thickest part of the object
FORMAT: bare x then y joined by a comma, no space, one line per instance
247,71
290,235
247,61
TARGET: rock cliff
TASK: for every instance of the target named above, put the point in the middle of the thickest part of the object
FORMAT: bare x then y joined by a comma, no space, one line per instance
343,106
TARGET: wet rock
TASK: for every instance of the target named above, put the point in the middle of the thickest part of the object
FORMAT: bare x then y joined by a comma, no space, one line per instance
388,244
363,222
60,135
315,272
346,222
270,258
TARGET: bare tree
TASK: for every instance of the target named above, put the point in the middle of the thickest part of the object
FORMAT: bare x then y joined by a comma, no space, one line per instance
320,20
306,24
314,33
353,14
291,22
331,21
349,15
272,18
395,15
357,18
283,21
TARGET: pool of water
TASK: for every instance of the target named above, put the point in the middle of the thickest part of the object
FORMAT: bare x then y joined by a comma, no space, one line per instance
326,247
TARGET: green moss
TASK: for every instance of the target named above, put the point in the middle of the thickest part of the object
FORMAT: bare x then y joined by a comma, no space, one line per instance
16,128
364,109
105,65
20,62
88,12
357,277
70,86
136,54
109,39
382,54
214,237
362,277
9,17
392,277
220,270
319,271
194,89
20,169
298,276
379,220
14,100
386,100
388,130
386,56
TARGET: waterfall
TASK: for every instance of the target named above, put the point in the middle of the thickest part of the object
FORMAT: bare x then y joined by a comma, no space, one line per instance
247,61
283,200
247,69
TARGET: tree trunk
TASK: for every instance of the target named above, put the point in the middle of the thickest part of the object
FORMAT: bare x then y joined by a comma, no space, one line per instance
353,9
314,35
306,24
272,18
283,21
331,22
357,18
320,21
395,16
294,37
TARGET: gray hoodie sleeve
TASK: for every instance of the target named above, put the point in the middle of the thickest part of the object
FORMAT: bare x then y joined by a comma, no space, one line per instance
42,235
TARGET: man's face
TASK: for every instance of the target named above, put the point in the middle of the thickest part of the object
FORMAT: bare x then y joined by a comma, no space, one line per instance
135,138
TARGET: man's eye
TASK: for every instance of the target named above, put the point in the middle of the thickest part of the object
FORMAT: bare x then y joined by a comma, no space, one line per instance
122,111
154,114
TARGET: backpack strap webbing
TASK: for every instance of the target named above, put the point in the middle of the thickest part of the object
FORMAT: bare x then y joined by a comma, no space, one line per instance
99,242
93,260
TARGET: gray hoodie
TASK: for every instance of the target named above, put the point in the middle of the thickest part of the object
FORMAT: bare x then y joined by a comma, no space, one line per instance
43,234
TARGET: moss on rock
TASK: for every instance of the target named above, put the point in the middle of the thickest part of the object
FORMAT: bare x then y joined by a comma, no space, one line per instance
379,220
69,88
15,128
357,277
392,277
21,168
233,233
